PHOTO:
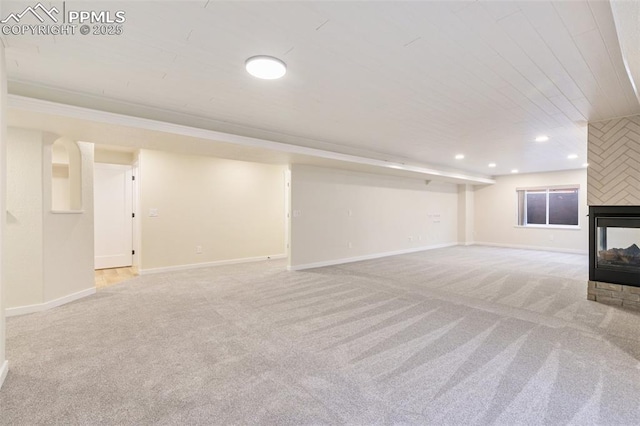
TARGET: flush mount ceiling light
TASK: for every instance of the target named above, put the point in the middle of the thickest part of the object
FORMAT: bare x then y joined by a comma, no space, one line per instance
459,156
492,165
514,171
265,67
542,138
572,156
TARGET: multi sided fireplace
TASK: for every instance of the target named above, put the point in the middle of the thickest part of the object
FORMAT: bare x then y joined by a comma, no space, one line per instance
614,244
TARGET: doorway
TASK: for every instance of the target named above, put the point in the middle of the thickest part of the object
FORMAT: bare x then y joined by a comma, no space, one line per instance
113,215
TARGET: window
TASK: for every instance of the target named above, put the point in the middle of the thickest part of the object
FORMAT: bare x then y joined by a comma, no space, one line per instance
553,206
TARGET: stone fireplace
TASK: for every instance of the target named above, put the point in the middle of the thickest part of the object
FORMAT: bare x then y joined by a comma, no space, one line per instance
613,187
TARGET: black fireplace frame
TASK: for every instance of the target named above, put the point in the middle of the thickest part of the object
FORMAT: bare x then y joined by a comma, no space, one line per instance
607,275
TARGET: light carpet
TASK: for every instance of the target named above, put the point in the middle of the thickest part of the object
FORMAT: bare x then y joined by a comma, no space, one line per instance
459,336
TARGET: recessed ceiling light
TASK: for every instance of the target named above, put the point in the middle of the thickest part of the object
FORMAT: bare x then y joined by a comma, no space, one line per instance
459,156
585,164
514,171
572,156
492,164
265,67
542,138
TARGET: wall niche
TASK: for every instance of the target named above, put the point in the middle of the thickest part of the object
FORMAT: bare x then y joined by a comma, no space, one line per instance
66,173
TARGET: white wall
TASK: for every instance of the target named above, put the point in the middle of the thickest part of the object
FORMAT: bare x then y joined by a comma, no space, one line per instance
622,237
23,236
49,257
340,215
68,237
496,214
232,209
466,215
4,365
61,190
105,155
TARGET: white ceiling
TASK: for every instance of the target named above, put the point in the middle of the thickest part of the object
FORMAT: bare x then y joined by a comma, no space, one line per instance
410,81
103,129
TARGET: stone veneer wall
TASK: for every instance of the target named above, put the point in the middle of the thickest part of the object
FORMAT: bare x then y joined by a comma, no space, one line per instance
614,294
613,179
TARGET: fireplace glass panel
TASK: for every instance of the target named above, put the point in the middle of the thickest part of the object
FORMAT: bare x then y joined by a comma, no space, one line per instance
618,241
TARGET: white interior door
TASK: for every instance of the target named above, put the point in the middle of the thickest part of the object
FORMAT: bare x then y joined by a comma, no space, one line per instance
113,214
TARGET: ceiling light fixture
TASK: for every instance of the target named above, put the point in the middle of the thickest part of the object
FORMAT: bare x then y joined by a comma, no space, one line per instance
572,156
492,165
459,156
514,171
265,67
542,138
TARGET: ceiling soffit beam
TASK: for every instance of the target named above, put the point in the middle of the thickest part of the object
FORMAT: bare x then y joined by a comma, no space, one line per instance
47,107
626,16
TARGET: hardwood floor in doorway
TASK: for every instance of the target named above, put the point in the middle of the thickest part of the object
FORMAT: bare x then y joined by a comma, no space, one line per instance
111,276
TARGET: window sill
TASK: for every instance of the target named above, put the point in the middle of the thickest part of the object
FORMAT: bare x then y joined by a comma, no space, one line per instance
567,227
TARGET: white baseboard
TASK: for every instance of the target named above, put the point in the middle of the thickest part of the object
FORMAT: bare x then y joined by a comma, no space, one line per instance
3,372
367,257
29,309
210,264
523,247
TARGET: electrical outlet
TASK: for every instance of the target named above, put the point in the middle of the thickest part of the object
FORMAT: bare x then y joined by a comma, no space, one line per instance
349,244
198,249
153,212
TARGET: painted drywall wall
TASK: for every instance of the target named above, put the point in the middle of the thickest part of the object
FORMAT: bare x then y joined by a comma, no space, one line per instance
61,189
230,209
4,365
105,155
496,214
68,237
465,214
50,254
340,215
23,237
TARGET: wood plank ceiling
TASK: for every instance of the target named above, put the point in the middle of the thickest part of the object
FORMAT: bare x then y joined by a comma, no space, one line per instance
415,81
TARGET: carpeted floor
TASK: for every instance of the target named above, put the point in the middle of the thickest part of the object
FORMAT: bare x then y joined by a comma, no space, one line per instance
460,336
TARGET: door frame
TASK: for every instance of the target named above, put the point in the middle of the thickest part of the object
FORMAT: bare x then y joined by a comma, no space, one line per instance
136,231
